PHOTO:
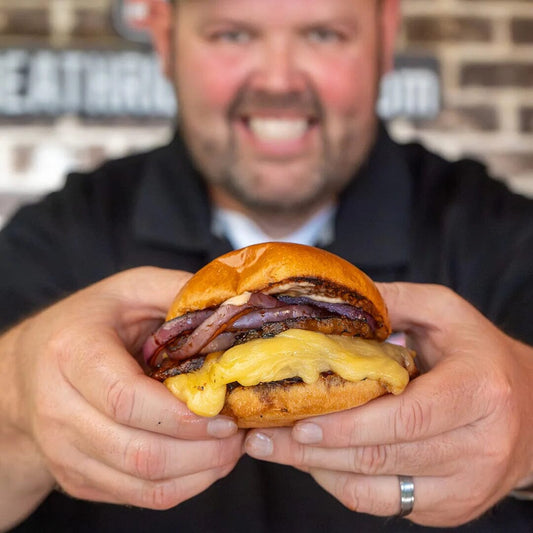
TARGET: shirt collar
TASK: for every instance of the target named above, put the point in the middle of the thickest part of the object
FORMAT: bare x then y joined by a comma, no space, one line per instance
241,231
372,222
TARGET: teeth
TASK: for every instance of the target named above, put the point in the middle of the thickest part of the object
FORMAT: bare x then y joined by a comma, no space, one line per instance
278,129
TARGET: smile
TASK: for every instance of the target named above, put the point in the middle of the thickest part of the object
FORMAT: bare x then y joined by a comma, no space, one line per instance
279,134
278,129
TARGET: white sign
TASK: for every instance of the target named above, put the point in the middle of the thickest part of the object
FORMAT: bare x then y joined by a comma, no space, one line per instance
88,83
36,83
412,89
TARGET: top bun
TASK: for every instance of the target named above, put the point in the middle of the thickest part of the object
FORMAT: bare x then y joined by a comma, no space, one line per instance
270,267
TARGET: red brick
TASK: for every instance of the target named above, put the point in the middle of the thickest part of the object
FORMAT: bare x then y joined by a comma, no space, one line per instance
522,30
497,74
526,120
465,118
93,23
419,29
32,22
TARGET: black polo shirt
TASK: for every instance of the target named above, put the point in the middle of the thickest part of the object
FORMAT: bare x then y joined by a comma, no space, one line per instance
407,215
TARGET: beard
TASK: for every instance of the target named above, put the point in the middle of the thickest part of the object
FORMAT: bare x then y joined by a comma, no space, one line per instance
285,185
302,191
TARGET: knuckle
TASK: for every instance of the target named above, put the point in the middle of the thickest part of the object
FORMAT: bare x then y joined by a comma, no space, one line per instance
371,460
502,407
303,456
348,492
446,295
145,459
359,496
347,430
73,483
223,471
160,496
411,421
222,454
184,416
395,290
60,345
120,401
501,394
163,495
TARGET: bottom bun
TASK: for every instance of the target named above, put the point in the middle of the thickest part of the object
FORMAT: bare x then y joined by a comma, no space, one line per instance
283,403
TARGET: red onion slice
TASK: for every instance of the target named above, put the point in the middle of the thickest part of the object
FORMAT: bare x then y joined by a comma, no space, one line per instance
258,318
215,323
347,310
171,329
220,343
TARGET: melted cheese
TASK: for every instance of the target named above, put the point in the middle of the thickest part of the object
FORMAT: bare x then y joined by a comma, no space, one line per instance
293,353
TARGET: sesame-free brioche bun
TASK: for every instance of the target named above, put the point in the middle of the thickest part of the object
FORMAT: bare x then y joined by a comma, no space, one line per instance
268,267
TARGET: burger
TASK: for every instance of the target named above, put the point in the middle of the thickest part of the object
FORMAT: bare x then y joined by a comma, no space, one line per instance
276,332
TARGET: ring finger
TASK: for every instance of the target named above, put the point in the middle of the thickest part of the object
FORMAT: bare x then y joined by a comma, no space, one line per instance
380,495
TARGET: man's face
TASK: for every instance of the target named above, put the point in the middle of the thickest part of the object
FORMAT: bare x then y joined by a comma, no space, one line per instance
277,97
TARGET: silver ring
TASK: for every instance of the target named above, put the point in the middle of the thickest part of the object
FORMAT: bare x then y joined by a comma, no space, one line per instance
407,495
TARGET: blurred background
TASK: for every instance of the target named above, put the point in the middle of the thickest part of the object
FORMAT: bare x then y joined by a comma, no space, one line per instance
79,84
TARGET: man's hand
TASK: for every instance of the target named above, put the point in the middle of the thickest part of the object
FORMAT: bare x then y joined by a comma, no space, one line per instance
78,411
463,430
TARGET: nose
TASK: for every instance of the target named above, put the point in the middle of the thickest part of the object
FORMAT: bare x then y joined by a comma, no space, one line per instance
277,70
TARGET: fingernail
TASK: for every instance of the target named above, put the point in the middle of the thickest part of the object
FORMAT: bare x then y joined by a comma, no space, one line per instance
307,433
220,428
259,445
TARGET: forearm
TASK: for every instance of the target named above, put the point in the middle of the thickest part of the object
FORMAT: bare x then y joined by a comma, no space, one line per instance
24,479
524,355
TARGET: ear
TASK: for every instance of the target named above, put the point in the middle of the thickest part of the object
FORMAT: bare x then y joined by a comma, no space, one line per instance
390,22
159,24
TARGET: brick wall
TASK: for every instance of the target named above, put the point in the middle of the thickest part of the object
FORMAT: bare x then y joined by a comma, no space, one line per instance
485,50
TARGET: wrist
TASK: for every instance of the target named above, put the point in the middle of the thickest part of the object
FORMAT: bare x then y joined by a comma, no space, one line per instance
10,362
524,487
25,479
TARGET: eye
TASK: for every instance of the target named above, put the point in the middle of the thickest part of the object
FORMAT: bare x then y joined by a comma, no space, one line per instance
234,36
322,34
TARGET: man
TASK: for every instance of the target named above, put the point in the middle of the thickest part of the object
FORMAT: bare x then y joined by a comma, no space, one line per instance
277,139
